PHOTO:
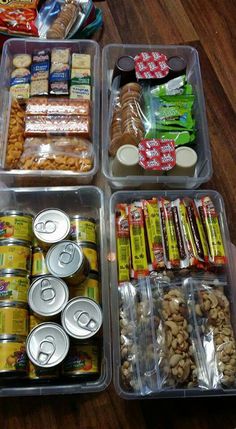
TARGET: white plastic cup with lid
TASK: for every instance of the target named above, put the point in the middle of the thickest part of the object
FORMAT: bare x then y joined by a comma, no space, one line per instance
186,160
126,162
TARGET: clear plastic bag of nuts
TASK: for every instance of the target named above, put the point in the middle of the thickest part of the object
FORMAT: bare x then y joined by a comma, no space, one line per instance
138,338
212,312
181,364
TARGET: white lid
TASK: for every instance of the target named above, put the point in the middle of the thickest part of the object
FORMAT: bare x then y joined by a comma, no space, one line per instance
185,157
128,155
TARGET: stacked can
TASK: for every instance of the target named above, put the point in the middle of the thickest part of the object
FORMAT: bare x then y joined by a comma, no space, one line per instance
59,267
15,268
83,232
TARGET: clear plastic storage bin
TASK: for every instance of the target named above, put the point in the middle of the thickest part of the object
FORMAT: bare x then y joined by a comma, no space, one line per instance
128,197
203,169
48,178
88,201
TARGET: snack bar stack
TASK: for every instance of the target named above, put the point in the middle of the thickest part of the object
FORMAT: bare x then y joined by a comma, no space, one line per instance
40,73
21,76
81,76
60,71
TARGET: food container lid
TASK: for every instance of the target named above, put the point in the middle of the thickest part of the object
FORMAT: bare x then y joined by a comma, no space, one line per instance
128,155
47,345
64,259
185,157
82,318
51,225
48,295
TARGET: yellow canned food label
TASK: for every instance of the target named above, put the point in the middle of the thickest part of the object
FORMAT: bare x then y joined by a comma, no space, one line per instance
13,321
18,227
13,357
39,266
89,288
34,321
15,257
36,372
92,256
81,359
14,288
83,230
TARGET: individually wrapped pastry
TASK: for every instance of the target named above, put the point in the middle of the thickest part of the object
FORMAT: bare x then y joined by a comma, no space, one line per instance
57,125
57,106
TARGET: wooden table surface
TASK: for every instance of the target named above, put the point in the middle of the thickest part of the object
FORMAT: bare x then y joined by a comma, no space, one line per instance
209,26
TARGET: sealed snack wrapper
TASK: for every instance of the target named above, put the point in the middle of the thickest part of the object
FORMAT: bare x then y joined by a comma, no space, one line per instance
137,239
122,242
197,230
170,239
209,218
153,228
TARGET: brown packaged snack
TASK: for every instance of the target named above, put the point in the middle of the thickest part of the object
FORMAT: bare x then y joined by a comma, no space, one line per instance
57,125
57,106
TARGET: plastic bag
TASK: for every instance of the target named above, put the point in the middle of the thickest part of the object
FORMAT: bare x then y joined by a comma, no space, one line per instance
46,158
218,341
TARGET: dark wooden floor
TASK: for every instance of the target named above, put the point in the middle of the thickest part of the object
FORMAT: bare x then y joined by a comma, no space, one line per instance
208,25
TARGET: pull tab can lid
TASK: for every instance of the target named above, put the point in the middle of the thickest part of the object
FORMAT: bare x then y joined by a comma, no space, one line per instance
48,296
51,226
82,318
47,345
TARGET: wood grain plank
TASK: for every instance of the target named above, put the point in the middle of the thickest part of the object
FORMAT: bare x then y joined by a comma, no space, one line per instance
154,22
109,32
214,22
94,411
222,132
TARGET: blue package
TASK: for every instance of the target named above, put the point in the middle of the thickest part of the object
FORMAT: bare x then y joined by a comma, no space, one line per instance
59,76
40,67
19,80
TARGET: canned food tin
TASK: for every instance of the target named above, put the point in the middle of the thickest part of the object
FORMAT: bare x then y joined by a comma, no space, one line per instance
13,319
35,320
39,267
13,357
16,225
81,318
47,345
48,296
51,226
37,373
83,229
82,360
90,251
14,288
66,260
15,256
89,288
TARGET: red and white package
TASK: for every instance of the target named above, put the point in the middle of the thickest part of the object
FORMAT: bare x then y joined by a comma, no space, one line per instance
151,65
157,154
